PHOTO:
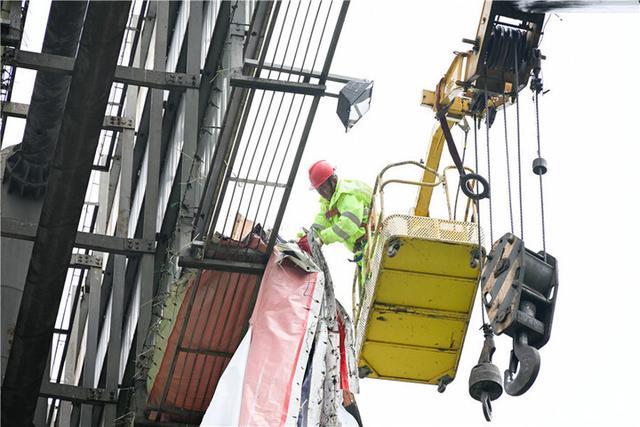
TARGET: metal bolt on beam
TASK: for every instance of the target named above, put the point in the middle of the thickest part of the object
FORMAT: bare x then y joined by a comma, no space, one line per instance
86,261
116,123
68,392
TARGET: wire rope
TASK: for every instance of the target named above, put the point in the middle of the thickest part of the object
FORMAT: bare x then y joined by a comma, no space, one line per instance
486,125
273,127
517,102
477,203
464,153
303,100
253,127
544,243
288,114
506,146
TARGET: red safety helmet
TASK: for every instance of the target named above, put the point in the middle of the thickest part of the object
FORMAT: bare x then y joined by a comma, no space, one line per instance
319,172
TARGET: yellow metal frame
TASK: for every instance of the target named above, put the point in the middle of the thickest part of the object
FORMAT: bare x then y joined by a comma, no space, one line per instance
456,99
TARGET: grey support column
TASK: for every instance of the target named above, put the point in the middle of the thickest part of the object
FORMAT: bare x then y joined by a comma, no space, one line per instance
93,285
190,167
147,265
89,318
127,139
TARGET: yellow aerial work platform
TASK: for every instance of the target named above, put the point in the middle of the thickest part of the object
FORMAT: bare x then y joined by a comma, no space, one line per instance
422,275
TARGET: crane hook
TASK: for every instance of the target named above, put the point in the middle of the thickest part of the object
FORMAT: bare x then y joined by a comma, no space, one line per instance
524,366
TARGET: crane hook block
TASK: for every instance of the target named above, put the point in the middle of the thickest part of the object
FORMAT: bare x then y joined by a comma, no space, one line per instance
519,289
485,381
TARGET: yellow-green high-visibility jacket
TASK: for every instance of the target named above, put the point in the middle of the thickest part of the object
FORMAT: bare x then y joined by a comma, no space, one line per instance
351,199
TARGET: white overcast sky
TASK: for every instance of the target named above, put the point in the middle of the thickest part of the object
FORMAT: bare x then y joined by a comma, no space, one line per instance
590,367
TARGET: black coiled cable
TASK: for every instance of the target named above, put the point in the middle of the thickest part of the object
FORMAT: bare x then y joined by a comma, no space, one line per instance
502,47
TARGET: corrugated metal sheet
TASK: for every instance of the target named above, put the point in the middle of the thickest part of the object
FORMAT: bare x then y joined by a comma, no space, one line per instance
210,323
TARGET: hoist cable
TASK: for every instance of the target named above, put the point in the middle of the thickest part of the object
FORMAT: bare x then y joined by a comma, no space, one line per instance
486,125
519,150
544,244
506,146
464,154
477,203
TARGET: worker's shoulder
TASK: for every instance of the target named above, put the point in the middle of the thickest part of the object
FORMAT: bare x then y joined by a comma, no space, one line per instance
353,186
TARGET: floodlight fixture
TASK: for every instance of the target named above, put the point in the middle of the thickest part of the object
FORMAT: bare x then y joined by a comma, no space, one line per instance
354,101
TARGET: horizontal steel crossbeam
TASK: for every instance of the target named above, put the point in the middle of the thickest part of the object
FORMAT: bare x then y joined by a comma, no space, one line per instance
16,229
16,109
277,85
257,182
222,265
206,352
299,71
72,393
128,75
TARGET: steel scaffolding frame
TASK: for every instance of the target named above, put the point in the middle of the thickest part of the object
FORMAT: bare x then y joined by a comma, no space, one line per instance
180,97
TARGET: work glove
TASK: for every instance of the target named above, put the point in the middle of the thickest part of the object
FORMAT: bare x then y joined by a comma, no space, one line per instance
331,213
360,243
303,243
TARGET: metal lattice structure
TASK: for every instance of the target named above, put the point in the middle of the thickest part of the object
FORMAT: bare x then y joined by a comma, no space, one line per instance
180,124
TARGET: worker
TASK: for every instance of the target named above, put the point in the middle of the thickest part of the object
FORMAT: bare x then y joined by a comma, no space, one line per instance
344,212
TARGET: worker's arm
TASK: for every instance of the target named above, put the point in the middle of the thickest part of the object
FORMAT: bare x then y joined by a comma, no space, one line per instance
348,225
320,222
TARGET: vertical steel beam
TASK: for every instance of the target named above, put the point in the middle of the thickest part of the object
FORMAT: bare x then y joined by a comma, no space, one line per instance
127,138
153,174
87,323
93,285
139,60
70,170
189,166
147,266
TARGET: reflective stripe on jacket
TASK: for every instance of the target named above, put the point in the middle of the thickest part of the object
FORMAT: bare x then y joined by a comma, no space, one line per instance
351,199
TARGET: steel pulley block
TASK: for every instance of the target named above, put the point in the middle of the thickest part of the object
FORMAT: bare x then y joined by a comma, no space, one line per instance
519,290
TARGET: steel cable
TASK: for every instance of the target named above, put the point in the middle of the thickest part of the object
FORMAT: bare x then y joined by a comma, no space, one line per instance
544,243
213,221
477,203
517,96
288,114
273,127
506,145
253,126
486,125
464,153
303,100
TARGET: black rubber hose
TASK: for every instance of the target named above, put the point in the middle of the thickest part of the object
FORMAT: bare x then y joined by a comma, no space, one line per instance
27,167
